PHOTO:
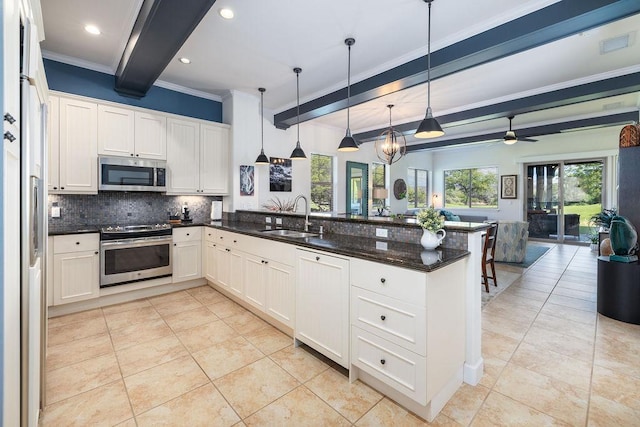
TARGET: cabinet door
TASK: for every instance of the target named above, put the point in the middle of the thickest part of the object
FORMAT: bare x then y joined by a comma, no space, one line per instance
322,304
75,276
280,292
210,263
115,131
223,265
78,146
150,136
183,152
53,143
187,262
236,272
214,159
255,291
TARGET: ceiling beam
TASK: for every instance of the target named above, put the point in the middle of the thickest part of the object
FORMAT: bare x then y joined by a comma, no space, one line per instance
605,88
554,22
533,131
159,32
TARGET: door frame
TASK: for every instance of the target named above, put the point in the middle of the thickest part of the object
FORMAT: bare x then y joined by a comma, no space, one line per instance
364,167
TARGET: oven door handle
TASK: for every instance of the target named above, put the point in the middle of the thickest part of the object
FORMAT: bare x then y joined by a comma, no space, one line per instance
133,243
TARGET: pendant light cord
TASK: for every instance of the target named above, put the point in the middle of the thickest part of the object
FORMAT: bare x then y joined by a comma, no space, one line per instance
429,57
348,88
262,118
298,103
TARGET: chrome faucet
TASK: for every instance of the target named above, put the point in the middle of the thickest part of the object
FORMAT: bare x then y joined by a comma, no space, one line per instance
306,210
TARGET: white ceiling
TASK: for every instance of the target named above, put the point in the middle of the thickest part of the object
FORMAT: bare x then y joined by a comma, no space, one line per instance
266,39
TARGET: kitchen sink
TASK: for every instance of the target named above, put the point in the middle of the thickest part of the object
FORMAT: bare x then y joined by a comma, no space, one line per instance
290,233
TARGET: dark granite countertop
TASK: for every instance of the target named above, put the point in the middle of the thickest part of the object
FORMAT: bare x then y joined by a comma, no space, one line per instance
408,255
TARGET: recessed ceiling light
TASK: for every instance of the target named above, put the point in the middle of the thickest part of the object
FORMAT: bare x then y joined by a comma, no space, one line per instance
92,29
185,60
226,13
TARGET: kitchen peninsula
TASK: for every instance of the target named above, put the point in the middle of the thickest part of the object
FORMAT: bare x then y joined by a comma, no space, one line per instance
393,314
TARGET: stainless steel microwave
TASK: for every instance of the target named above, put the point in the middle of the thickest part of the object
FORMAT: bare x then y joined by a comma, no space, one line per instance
124,174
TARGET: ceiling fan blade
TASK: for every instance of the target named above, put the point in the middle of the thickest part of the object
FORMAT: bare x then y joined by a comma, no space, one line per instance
527,140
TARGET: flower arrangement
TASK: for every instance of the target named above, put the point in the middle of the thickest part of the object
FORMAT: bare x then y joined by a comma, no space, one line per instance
430,219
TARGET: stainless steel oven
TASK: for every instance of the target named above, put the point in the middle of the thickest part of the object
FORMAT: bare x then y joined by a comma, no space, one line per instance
134,253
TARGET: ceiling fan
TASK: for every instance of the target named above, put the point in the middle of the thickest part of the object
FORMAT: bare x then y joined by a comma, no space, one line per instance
510,137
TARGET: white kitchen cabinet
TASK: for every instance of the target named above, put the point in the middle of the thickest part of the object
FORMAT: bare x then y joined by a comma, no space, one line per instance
187,254
322,304
78,145
183,150
255,287
230,269
214,159
53,143
408,332
116,131
281,290
209,265
150,135
76,268
198,157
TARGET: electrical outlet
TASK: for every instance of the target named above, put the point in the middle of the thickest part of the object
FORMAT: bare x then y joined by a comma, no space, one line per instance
55,212
267,220
278,221
382,246
382,232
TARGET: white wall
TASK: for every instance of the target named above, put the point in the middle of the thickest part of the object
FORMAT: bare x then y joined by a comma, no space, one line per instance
510,160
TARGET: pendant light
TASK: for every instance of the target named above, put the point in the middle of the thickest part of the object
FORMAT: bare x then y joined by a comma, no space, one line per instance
391,145
262,158
297,153
429,127
348,143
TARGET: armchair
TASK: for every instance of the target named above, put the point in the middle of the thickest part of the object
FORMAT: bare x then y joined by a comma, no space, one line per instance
511,244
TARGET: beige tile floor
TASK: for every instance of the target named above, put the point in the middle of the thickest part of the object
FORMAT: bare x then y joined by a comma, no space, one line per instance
196,358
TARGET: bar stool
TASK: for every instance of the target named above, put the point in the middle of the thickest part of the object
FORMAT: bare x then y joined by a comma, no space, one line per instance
488,254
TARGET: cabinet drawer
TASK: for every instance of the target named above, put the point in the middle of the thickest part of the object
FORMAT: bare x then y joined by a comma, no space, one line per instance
232,240
210,234
76,243
395,282
397,321
400,368
284,253
187,234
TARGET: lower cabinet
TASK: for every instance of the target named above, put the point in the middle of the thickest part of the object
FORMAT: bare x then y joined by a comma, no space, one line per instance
187,254
76,268
230,271
322,304
408,331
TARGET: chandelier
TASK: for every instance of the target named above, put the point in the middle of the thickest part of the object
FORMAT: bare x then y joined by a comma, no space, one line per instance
391,145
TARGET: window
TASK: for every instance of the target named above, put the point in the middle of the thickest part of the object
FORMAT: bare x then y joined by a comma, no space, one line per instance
417,186
471,188
321,183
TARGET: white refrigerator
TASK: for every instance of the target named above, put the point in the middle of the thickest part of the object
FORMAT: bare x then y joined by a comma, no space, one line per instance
33,227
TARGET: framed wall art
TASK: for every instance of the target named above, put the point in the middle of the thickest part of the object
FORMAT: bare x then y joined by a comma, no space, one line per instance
279,174
246,180
509,186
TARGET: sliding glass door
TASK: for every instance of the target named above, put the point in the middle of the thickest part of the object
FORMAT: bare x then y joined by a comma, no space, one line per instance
562,197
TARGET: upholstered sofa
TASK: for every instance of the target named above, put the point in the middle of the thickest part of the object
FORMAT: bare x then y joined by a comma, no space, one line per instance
511,242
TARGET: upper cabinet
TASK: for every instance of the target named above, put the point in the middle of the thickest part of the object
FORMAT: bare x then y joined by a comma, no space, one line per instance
151,136
78,147
198,157
79,129
128,133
